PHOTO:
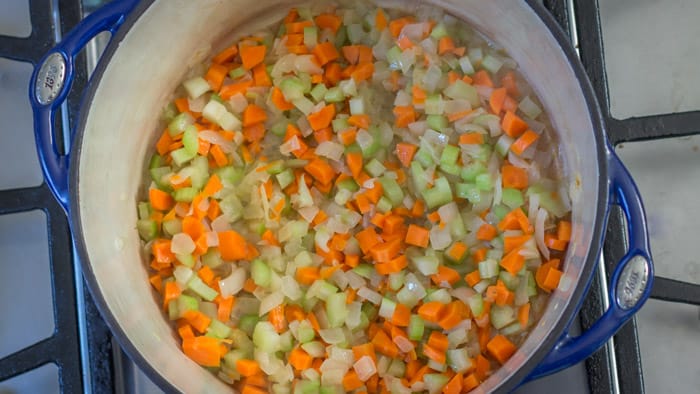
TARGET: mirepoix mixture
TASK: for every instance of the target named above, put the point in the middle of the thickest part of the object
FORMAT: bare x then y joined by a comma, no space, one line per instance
354,200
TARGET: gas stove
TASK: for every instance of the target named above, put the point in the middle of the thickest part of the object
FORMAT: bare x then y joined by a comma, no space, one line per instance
640,56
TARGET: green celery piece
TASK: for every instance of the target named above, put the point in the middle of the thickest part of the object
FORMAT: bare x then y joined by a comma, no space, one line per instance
190,140
416,328
384,205
364,270
513,198
450,154
186,194
439,31
156,161
247,323
375,168
186,303
185,259
179,123
169,112
419,176
470,171
392,190
172,227
144,210
218,329
434,105
275,167
231,174
484,182
237,72
462,90
212,258
182,156
348,184
468,191
439,194
334,95
500,211
148,229
318,92
437,122
336,309
285,178
261,273
200,288
157,175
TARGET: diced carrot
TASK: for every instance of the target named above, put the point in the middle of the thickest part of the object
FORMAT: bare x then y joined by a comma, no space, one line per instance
553,243
225,306
401,316
253,114
277,319
380,21
198,320
514,177
251,389
498,97
321,171
247,367
171,292
404,115
325,52
483,366
182,104
482,78
328,21
161,251
157,282
397,25
472,138
354,161
394,265
523,142
431,311
367,239
359,121
299,359
473,278
307,275
215,76
405,152
513,262
363,72
163,144
564,230
160,200
226,55
384,345
524,315
351,381
513,125
203,350
445,275
230,90
434,354
512,242
454,386
445,45
333,73
260,76
219,156
470,383
322,119
252,55
418,236
548,277
457,251
232,245
453,314
486,232
500,348
278,99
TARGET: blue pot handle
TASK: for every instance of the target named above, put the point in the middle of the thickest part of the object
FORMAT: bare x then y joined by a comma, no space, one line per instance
630,284
52,80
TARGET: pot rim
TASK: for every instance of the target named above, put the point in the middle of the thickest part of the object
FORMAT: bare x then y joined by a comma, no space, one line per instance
514,380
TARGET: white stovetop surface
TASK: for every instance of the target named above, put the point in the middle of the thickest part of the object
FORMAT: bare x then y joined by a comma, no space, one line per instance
652,52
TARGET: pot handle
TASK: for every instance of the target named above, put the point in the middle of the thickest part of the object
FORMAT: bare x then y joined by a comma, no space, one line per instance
51,81
630,284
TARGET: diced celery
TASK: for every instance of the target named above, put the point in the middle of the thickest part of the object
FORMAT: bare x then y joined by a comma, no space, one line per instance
466,65
503,144
285,178
304,105
481,286
458,360
468,191
196,87
439,31
261,273
275,167
449,156
307,387
201,289
336,309
396,280
437,122
440,295
491,63
471,170
169,112
392,190
348,184
424,156
484,182
186,194
531,284
434,382
419,176
457,228
502,315
237,72
393,57
334,95
230,174
185,259
218,329
179,123
216,112
292,88
321,289
286,341
500,211
462,90
280,128
384,205
158,175
548,201
513,198
355,33
310,36
387,308
397,368
156,161
509,280
488,269
144,209
529,107
186,303
375,168
148,229
182,156
416,327
305,332
247,323
341,37
434,105
172,227
439,194
212,258
427,265
319,91
476,304
190,141
364,270
340,124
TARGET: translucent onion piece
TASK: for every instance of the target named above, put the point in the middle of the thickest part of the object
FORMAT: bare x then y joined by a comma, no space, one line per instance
539,232
365,367
182,244
233,283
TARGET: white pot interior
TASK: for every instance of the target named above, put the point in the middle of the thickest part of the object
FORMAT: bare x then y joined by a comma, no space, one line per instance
151,60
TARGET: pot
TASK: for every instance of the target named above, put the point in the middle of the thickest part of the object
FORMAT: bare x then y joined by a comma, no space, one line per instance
154,42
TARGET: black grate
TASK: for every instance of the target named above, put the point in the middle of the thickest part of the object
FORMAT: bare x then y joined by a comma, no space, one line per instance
63,347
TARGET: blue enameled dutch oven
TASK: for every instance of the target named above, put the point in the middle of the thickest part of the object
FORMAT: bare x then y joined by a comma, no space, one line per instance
154,42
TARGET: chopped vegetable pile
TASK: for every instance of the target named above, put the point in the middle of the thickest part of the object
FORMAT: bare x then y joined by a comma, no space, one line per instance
363,201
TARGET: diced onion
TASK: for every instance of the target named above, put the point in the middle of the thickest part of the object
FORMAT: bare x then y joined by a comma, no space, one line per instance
233,283
182,244
271,301
539,232
370,295
365,368
330,149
